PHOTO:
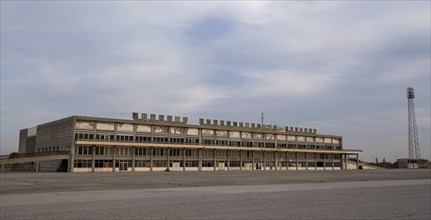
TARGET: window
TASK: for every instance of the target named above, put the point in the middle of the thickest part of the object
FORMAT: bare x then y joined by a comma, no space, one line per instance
159,163
192,141
142,163
234,154
124,138
143,139
291,146
175,152
102,151
103,163
158,152
220,153
209,142
235,143
192,163
207,163
208,153
247,144
311,147
123,151
221,143
246,154
83,136
191,153
281,145
160,140
177,140
82,163
141,151
269,145
234,164
301,146
84,150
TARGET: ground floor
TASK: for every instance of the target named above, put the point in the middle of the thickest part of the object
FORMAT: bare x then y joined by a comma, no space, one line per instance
106,157
135,159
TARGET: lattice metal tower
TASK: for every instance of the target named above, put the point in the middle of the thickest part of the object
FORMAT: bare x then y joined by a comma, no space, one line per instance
414,152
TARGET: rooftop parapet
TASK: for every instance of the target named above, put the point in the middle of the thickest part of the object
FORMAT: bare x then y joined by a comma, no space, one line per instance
160,118
223,123
213,122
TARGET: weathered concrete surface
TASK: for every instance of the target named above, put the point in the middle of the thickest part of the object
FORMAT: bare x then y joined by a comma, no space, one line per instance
63,182
381,194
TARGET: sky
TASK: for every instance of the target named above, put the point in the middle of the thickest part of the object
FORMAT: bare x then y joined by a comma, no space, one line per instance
341,67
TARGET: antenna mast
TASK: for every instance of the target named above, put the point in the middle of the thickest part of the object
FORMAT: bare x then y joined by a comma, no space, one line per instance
414,152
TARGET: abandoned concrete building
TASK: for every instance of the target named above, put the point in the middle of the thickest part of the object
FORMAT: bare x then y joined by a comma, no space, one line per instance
167,143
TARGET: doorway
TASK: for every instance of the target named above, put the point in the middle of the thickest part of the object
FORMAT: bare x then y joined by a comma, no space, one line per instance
123,165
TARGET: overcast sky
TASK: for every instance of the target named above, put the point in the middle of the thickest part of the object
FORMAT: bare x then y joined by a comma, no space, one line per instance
341,67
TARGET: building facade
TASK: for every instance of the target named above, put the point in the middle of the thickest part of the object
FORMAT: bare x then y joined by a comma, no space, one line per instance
169,143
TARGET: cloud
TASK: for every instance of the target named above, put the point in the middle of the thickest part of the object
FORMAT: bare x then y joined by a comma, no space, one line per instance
279,82
341,67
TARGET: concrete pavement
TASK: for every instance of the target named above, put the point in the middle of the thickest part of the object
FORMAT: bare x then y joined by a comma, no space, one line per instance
387,194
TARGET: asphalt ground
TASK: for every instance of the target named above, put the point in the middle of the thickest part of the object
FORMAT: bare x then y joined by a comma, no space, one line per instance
18,183
363,194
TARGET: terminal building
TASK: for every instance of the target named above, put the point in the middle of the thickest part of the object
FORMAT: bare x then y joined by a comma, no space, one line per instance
167,143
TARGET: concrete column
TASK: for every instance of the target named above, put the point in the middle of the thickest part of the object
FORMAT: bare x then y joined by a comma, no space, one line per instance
113,159
296,160
287,161
315,161
252,161
167,158
341,162
93,160
72,158
2,168
215,160
227,158
240,160
346,161
184,159
151,159
133,157
276,160
357,161
200,159
332,160
37,166
200,136
324,162
264,160
306,161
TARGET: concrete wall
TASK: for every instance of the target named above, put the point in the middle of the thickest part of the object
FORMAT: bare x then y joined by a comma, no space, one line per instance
58,133
22,141
49,166
31,145
27,141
